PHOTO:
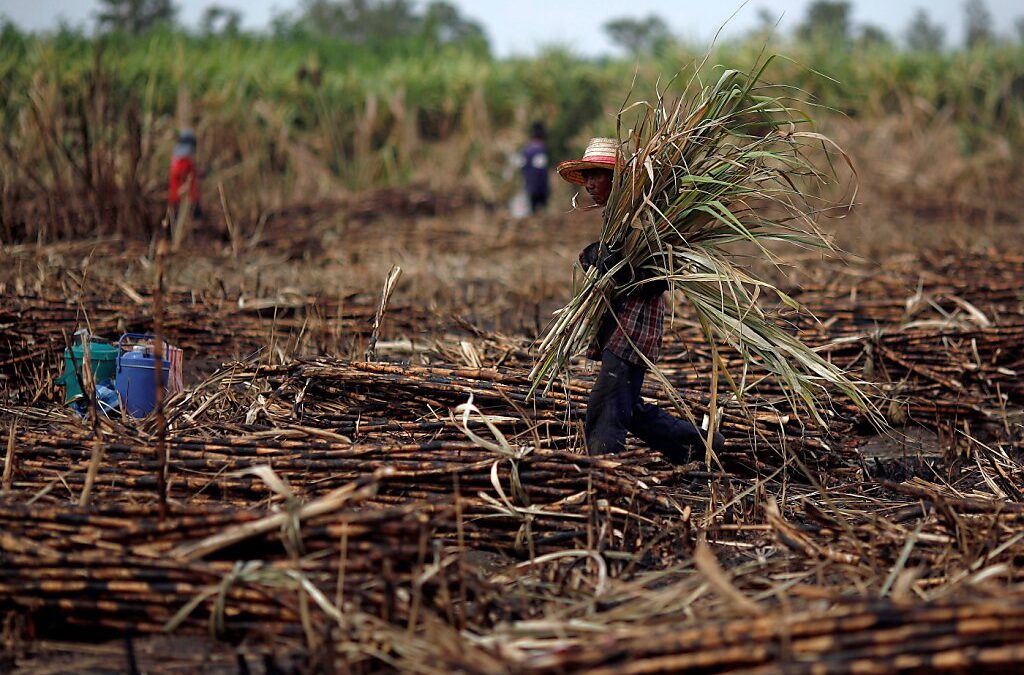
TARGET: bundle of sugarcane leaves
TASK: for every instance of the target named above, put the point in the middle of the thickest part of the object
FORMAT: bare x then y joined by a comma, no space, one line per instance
719,165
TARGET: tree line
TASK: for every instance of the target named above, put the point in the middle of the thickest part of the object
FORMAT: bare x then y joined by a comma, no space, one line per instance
826,22
381,25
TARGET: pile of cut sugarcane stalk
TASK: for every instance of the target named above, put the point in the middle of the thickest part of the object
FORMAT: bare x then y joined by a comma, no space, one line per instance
476,553
874,637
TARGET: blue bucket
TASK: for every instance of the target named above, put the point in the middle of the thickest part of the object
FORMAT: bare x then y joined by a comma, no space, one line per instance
136,375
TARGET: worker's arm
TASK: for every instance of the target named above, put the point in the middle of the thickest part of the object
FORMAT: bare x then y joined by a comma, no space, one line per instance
596,255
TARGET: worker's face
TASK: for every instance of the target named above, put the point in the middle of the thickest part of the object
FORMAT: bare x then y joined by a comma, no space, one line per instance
598,183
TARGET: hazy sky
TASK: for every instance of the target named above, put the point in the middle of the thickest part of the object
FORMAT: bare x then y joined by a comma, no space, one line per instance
518,26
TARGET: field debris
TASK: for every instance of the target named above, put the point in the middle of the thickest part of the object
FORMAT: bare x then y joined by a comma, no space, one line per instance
423,512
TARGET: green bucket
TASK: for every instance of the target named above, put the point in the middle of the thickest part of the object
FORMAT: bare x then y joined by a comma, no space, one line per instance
103,360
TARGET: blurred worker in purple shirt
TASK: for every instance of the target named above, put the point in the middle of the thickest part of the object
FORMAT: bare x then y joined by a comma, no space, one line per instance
535,169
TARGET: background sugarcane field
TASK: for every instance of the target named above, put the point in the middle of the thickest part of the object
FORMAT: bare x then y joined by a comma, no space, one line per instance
359,475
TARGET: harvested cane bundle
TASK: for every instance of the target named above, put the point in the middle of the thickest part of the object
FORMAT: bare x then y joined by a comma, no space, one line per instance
721,164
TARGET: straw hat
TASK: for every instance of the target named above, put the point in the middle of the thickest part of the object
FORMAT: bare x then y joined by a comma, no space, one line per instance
601,153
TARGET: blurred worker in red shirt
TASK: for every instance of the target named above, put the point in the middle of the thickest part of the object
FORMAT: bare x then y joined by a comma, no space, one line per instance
184,177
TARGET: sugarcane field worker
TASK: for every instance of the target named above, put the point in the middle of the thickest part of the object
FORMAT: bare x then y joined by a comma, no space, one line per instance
633,327
535,169
184,181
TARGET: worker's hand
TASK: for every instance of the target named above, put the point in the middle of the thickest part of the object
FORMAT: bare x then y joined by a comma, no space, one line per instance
598,255
590,255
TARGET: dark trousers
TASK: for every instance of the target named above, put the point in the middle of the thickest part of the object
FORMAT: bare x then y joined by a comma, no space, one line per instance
615,407
538,202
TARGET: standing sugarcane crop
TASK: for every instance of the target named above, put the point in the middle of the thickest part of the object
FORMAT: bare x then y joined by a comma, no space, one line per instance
721,164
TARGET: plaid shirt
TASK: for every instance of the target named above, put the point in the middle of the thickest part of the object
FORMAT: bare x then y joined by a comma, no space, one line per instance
639,329
641,317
